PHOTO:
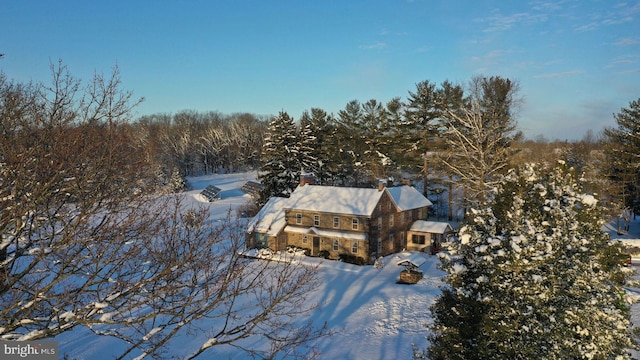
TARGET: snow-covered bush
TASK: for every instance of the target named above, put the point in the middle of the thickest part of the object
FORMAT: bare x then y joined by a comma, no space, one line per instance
529,277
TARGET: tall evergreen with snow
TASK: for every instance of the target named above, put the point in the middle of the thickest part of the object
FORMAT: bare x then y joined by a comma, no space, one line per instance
280,166
530,277
310,145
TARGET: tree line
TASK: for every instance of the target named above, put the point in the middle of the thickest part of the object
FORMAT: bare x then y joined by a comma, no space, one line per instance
374,140
447,136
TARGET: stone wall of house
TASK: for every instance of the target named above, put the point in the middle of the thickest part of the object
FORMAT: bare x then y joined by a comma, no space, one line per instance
390,226
345,245
385,231
326,220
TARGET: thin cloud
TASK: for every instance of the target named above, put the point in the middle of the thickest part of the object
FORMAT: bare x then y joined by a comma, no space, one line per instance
374,46
491,57
620,14
587,27
627,42
558,74
632,71
499,22
619,63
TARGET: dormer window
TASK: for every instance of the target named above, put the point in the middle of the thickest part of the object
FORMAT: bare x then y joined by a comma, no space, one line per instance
316,220
298,218
355,224
336,222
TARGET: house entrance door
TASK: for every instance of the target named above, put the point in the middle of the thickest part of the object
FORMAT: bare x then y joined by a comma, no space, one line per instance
316,246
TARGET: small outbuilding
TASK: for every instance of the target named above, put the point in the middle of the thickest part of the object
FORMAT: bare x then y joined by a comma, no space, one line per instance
427,235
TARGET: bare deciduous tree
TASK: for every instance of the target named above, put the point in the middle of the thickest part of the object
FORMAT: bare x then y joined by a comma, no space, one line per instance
480,133
85,240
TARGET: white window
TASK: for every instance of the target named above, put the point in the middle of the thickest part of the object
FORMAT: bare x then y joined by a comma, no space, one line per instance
304,239
391,218
354,247
336,244
379,245
379,223
316,220
355,224
336,222
298,218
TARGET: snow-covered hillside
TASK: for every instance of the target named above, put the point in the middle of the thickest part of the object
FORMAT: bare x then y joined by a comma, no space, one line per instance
374,316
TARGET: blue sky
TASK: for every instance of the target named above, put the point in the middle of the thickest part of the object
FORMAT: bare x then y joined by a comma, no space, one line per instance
577,61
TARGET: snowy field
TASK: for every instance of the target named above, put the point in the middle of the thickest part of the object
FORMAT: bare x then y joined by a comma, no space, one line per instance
375,318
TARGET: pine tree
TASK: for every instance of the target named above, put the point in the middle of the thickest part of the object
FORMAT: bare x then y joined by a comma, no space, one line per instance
421,117
623,159
280,166
530,276
350,142
177,183
315,144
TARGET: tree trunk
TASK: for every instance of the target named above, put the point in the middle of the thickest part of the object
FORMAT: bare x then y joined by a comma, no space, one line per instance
425,172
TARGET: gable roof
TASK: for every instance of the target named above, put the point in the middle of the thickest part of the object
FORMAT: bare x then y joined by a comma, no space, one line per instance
334,199
434,227
270,219
407,198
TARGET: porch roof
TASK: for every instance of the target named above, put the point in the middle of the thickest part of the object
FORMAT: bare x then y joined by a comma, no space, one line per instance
324,232
433,227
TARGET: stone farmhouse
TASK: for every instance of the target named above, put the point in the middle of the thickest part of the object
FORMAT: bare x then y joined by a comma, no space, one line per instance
332,221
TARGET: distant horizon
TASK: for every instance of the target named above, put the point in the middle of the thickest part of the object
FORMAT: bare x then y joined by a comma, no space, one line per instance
577,62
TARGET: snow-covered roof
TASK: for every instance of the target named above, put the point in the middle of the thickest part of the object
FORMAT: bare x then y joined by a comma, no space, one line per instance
333,199
271,218
434,227
407,198
325,233
353,201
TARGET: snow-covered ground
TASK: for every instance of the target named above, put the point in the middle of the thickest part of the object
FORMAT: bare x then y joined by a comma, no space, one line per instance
374,316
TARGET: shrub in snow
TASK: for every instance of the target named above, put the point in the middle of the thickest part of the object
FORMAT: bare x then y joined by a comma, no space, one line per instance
352,259
532,276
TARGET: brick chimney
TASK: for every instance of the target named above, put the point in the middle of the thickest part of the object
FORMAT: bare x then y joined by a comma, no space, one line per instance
381,184
307,178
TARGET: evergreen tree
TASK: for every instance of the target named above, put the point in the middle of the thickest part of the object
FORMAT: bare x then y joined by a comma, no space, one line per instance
531,277
316,139
280,166
623,159
177,183
421,118
374,128
351,144
308,146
